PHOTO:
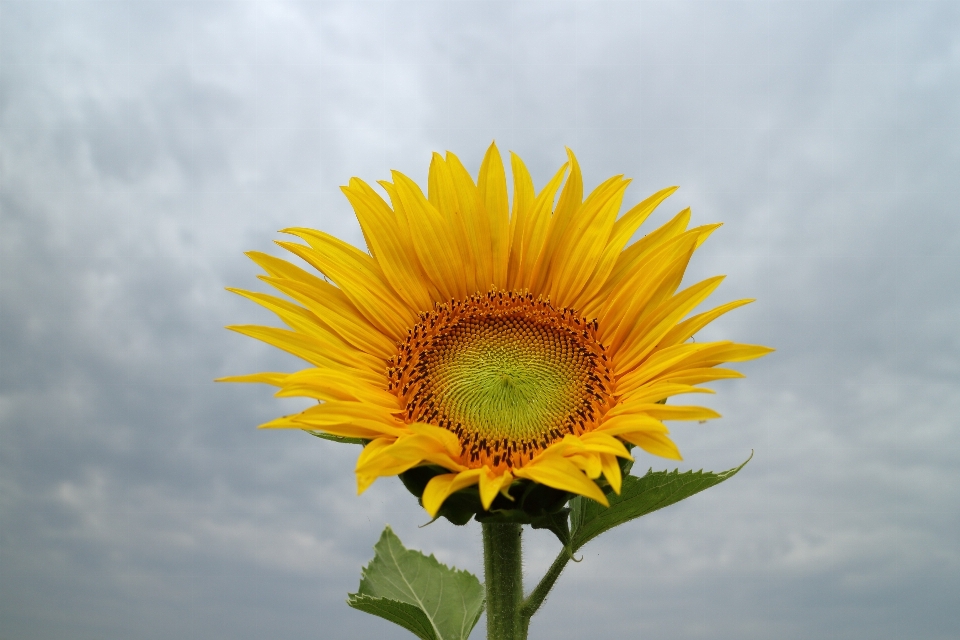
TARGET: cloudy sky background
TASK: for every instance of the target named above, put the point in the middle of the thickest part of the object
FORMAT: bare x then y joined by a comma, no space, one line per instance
146,145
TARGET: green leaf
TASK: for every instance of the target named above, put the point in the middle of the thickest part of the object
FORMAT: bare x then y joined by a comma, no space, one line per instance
418,593
341,439
408,616
638,497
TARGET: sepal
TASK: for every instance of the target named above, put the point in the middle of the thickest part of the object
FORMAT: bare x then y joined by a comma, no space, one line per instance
341,439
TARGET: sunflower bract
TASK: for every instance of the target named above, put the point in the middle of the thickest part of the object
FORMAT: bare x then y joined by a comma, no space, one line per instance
499,342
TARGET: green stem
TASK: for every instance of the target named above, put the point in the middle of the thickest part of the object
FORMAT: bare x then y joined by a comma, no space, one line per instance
532,602
503,576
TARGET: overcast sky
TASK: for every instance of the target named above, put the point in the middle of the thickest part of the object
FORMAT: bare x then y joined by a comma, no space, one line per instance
144,146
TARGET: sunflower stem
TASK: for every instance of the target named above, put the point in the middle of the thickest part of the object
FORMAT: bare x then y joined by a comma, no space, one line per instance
503,577
532,603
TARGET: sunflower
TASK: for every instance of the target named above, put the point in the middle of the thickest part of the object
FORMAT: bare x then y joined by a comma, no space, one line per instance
497,343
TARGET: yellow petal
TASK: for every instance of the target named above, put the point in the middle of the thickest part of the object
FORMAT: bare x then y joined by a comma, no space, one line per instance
673,412
492,483
437,239
312,349
360,279
558,472
699,376
271,378
370,450
611,471
629,299
476,222
335,310
630,423
665,362
441,487
534,232
588,462
364,481
689,327
571,197
374,448
628,223
327,385
628,260
341,411
675,360
585,240
280,268
411,450
605,443
731,352
443,196
492,183
621,233
447,439
283,422
523,197
357,428
658,444
700,234
346,376
635,252
383,464
309,324
656,392
643,337
342,415
385,237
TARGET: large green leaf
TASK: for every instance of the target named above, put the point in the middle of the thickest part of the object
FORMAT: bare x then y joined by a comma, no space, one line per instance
638,497
418,593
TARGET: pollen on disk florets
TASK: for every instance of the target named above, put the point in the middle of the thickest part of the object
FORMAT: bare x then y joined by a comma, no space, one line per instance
508,373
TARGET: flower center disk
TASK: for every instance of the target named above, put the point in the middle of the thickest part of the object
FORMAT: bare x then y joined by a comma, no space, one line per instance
507,373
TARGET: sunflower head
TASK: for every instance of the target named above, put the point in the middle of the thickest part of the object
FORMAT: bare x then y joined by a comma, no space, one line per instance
507,373
500,358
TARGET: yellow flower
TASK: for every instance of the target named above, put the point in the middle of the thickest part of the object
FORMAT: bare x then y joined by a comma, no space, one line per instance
497,342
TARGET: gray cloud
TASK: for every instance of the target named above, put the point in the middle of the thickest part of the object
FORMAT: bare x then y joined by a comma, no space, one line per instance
146,145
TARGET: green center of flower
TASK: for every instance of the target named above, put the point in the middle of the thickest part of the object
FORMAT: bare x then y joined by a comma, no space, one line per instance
507,373
505,377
